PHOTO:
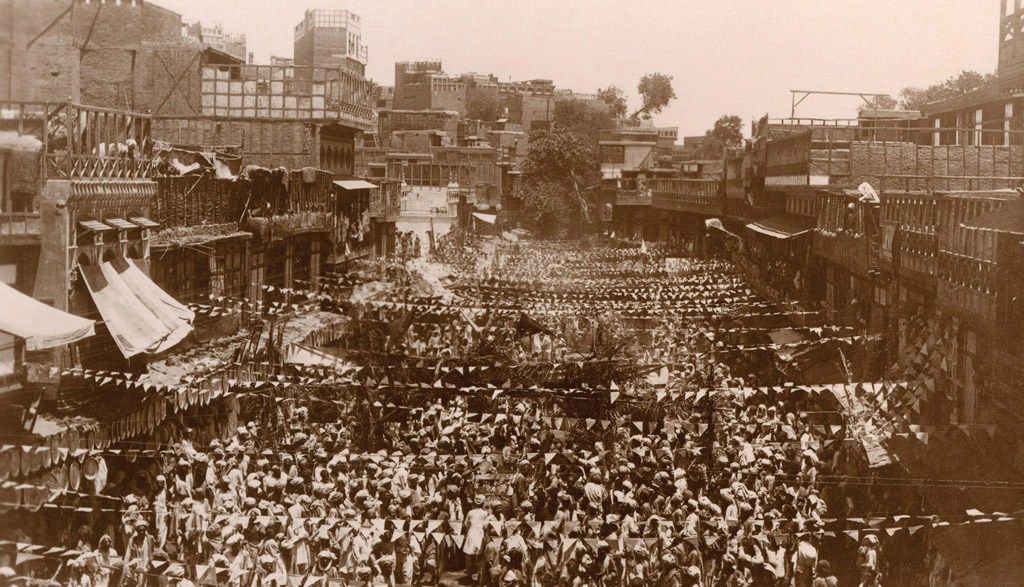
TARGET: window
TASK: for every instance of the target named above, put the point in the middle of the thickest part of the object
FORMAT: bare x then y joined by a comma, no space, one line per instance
613,154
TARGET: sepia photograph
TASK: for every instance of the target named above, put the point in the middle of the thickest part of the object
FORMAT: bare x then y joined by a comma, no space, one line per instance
511,293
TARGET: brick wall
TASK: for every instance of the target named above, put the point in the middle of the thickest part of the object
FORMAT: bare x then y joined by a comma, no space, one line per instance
85,55
168,79
48,70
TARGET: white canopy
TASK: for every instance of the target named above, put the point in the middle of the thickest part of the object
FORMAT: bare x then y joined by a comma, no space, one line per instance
41,326
355,184
488,218
141,317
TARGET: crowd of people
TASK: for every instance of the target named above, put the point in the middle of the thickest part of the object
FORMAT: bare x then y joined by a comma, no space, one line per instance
511,487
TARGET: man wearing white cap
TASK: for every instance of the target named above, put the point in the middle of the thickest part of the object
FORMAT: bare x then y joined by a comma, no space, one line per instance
472,546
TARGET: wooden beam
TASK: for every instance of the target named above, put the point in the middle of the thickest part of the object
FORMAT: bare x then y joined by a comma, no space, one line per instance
177,81
92,26
53,23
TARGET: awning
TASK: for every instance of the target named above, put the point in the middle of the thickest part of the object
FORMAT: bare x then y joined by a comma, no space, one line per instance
1008,218
784,226
302,354
141,317
488,218
41,326
355,184
120,223
94,226
786,339
144,222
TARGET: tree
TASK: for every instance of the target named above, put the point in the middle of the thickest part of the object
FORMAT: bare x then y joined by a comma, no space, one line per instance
964,83
482,106
727,132
655,93
883,103
615,99
559,170
580,117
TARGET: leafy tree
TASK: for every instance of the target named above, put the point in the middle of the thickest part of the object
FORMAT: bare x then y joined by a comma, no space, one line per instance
655,93
727,132
482,106
964,83
615,99
883,103
580,117
558,172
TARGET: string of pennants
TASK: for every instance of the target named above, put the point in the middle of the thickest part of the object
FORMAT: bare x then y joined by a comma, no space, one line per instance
893,400
438,529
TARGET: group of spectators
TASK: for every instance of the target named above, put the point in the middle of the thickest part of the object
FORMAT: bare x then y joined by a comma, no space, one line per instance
499,490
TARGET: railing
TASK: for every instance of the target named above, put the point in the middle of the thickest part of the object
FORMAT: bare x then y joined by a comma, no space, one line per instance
286,92
634,198
700,196
84,141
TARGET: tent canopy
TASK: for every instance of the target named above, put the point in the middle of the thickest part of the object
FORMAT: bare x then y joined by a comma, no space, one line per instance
784,226
141,317
488,218
41,326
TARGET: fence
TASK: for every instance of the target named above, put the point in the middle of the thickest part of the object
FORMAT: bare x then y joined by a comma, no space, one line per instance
84,141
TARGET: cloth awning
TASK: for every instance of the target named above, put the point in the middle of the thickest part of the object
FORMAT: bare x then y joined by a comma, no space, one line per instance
355,184
784,226
41,326
302,354
488,218
141,317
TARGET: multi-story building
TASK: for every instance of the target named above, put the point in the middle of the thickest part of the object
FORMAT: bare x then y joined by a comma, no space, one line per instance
233,44
331,38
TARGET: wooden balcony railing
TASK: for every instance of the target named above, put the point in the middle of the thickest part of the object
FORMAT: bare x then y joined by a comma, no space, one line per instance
83,141
699,196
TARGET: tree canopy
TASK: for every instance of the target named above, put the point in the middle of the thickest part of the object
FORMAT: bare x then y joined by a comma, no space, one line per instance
615,99
580,117
559,171
964,83
656,93
727,132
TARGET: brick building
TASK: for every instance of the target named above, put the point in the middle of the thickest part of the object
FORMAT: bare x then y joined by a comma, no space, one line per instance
331,38
233,44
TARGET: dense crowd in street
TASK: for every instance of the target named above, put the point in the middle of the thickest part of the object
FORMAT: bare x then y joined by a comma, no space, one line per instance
491,485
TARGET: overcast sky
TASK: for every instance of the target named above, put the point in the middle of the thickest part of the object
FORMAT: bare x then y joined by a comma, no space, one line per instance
726,56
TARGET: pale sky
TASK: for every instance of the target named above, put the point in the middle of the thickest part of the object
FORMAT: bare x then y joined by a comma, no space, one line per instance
726,56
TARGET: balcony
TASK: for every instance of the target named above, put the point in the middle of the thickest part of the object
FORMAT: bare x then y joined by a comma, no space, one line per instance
287,93
83,141
634,197
697,196
892,159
